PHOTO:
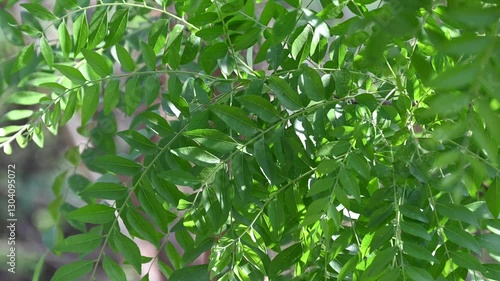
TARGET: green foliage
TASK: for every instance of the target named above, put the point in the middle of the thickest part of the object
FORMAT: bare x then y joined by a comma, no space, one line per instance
311,145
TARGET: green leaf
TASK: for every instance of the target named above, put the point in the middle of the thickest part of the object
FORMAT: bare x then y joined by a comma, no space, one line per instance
111,96
24,58
190,273
133,95
98,28
80,32
466,44
98,63
152,89
69,110
117,27
158,35
128,249
39,11
301,41
93,213
310,84
113,270
261,107
148,55
457,212
284,26
105,190
25,98
418,252
11,33
212,139
196,155
138,141
321,185
179,177
90,102
118,165
72,271
415,230
143,227
359,165
125,59
287,97
71,73
156,123
248,39
46,50
64,39
456,77
38,268
493,198
466,260
80,243
349,183
285,259
153,207
418,274
14,115
462,238
264,158
236,119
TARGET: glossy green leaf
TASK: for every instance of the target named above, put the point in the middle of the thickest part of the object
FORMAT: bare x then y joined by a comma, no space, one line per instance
156,122
46,50
117,26
462,238
72,271
80,32
148,55
128,249
196,155
195,272
138,141
418,274
97,62
285,259
80,243
261,107
97,28
71,73
90,102
93,213
118,165
105,190
457,212
125,59
310,84
285,94
113,270
111,96
143,227
154,208
24,58
493,198
236,119
133,95
39,11
212,139
64,39
69,110
25,98
179,177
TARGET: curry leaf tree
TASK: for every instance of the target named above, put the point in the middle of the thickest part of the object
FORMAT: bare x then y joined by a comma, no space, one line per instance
292,140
